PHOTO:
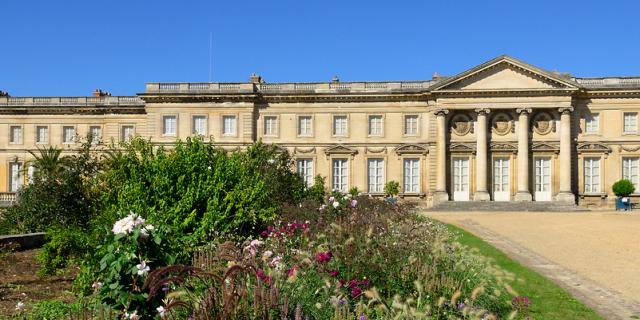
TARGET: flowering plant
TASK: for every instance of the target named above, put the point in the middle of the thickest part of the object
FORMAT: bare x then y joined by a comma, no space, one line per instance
131,250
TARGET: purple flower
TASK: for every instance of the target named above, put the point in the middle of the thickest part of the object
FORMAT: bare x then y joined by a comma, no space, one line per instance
365,282
354,203
334,273
363,317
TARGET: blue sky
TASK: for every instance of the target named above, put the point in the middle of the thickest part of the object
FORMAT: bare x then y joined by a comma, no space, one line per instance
72,47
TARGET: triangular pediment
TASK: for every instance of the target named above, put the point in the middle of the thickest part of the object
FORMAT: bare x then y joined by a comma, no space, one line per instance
595,147
462,147
541,146
411,149
340,149
503,74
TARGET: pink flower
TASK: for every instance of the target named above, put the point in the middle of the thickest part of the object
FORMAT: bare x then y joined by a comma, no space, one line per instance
275,261
354,203
355,292
323,257
334,273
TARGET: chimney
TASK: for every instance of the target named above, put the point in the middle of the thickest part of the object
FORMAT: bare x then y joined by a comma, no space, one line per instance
99,93
255,78
4,93
335,79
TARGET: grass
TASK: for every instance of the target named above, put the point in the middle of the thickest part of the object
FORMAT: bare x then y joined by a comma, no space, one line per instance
548,301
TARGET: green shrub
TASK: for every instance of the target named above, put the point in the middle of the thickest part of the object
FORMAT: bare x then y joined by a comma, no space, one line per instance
392,188
317,191
623,188
64,247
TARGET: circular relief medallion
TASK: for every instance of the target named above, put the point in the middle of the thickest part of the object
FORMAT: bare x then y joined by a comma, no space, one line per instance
542,123
461,124
501,124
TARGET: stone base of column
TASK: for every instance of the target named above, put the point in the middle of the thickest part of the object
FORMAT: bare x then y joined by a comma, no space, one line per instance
481,196
566,197
523,196
440,196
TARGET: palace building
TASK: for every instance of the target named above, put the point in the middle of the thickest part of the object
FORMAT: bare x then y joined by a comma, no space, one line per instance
502,131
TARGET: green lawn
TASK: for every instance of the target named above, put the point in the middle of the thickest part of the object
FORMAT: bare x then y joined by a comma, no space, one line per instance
548,301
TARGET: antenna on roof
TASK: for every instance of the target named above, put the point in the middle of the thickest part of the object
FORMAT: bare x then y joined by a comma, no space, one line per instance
210,54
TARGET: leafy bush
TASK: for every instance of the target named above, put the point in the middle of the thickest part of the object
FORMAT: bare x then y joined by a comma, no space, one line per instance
392,188
623,188
61,194
198,191
63,247
317,191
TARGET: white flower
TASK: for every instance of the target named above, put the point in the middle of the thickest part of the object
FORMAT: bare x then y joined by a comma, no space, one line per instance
271,161
275,261
336,204
331,199
143,268
128,223
161,310
209,168
144,232
322,207
20,306
132,316
96,285
267,254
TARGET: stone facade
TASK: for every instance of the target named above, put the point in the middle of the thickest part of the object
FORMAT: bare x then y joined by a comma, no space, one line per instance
502,131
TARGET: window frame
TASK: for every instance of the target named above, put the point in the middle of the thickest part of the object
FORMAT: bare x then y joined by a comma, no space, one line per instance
20,176
591,116
636,183
404,124
276,129
303,176
369,127
346,174
164,125
333,125
123,138
222,125
383,175
590,182
75,133
100,128
298,127
21,128
624,123
404,175
37,134
193,124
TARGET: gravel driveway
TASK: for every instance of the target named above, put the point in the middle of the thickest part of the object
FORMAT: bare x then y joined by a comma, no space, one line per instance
593,255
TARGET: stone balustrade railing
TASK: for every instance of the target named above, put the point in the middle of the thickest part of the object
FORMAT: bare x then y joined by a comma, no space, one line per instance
8,197
608,82
72,101
307,87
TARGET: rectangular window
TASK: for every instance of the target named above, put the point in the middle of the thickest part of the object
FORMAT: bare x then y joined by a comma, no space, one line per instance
305,170
199,125
630,122
340,175
304,126
169,125
31,171
411,125
592,123
68,134
127,133
375,125
411,175
229,125
339,125
42,134
15,134
95,132
591,175
630,169
376,175
270,126
15,176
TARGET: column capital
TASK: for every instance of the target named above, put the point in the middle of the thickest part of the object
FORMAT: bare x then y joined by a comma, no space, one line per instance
441,112
523,110
483,111
565,110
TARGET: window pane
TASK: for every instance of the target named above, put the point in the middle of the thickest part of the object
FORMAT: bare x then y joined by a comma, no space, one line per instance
375,125
304,125
376,175
340,125
229,125
68,134
169,125
411,125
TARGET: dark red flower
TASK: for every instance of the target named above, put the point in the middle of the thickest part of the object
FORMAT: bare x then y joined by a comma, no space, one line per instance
334,273
365,282
353,283
342,282
264,234
355,292
323,257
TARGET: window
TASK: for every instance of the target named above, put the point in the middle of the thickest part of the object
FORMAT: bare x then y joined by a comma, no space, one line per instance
630,170
339,125
199,125
229,125
127,133
95,132
375,125
68,133
376,175
304,126
15,176
411,175
591,175
592,123
340,175
411,125
15,134
270,126
305,170
42,134
169,125
630,122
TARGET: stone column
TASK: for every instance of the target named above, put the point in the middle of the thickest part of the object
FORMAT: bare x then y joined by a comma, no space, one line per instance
523,193
481,193
565,193
441,194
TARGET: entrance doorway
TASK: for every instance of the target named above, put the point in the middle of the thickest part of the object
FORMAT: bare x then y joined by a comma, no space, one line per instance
501,179
542,174
460,179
